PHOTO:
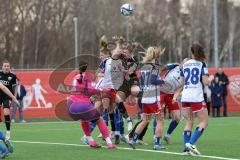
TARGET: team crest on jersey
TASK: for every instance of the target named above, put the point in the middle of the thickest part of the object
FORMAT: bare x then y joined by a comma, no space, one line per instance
9,78
234,87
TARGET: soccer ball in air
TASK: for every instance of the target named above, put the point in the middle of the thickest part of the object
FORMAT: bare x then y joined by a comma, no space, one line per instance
127,9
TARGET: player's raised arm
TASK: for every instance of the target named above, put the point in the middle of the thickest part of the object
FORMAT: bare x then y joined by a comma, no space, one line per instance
8,92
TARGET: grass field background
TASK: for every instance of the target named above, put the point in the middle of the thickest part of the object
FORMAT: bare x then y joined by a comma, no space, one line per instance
221,139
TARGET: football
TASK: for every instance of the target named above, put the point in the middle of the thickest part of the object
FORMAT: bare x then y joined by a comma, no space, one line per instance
126,9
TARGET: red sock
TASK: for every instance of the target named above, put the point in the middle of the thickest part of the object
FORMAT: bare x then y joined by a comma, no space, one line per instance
86,128
103,128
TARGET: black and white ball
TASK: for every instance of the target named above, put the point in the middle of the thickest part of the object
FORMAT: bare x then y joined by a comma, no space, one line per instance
126,9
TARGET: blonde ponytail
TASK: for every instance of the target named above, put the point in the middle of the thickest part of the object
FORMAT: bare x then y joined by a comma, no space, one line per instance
152,53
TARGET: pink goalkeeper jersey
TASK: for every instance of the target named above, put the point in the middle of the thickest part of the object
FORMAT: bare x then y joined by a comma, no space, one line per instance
80,91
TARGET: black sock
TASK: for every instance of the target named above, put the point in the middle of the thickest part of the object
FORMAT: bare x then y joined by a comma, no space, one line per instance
7,122
134,128
122,109
143,132
111,116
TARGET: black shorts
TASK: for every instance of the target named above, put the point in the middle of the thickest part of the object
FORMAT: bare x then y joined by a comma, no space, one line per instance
5,102
126,86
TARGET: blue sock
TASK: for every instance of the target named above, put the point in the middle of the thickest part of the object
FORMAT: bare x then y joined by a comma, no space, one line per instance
186,137
117,121
92,126
197,134
121,125
135,137
157,141
172,126
154,126
2,137
105,117
2,149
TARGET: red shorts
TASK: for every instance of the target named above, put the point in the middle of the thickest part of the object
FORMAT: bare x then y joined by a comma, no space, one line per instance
150,108
195,106
166,99
110,94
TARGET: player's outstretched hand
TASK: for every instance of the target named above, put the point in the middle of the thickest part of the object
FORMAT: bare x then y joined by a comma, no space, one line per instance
174,100
16,101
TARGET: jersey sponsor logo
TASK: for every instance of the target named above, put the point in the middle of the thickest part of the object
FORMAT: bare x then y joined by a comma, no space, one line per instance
5,83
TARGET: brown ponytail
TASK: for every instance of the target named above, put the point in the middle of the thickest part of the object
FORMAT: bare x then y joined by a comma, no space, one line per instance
198,52
104,45
131,46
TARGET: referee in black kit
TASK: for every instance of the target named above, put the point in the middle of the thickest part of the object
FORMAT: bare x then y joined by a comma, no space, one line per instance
8,79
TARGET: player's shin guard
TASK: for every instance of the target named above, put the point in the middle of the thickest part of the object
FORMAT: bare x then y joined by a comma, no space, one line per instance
196,135
186,136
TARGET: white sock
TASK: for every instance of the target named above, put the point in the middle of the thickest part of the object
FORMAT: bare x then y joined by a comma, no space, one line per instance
168,135
108,140
117,133
89,138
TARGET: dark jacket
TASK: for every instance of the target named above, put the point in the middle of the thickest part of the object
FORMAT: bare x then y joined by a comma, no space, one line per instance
216,89
223,77
22,93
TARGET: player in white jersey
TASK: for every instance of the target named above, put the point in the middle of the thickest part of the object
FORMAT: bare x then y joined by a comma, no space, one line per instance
193,75
114,73
171,79
149,84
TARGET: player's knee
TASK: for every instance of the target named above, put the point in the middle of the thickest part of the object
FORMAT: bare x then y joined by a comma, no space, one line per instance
176,117
145,122
203,124
120,97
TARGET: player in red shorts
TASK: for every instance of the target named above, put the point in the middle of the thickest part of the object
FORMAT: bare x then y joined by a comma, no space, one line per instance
149,85
194,74
171,79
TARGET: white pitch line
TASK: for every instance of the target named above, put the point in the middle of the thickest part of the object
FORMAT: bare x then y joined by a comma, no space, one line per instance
57,122
122,148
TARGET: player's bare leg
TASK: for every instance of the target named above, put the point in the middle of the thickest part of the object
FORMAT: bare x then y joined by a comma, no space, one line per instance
187,133
203,122
175,114
159,132
7,122
146,119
